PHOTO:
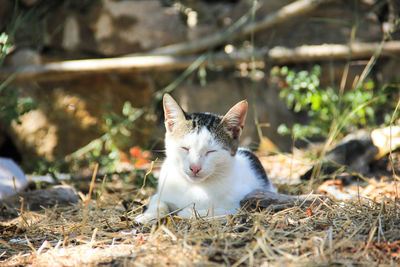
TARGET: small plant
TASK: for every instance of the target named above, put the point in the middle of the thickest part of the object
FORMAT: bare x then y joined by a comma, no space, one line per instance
108,150
12,105
5,47
325,107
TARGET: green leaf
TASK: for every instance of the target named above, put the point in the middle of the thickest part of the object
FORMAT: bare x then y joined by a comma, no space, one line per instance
283,130
127,108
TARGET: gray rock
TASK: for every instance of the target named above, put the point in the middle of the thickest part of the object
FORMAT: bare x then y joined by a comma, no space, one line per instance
23,57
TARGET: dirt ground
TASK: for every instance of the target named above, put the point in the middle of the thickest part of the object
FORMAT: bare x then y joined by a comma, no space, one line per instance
361,231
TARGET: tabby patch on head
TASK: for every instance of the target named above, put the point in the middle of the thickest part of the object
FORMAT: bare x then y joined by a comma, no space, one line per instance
225,129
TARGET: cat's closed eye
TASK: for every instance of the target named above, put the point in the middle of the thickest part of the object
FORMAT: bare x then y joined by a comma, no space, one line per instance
185,148
210,151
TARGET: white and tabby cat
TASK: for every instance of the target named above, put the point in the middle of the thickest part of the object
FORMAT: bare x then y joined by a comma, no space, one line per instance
204,170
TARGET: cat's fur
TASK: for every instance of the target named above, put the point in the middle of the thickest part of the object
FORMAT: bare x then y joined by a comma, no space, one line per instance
204,170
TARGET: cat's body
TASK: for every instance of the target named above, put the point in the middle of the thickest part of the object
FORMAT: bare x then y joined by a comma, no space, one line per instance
204,170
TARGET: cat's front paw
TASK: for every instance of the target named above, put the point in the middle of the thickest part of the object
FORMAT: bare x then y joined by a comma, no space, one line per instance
146,218
186,213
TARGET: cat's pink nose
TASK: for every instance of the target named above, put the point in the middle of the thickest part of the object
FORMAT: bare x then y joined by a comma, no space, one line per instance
195,169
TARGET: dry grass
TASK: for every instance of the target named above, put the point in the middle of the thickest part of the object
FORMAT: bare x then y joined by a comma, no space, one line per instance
97,232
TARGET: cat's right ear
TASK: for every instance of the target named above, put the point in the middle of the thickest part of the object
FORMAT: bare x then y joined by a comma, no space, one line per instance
233,121
173,113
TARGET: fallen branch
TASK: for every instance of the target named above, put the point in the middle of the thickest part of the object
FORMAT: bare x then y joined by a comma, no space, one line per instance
308,53
278,55
285,13
75,68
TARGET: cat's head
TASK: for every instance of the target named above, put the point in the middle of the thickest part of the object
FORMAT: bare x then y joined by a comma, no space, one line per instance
202,144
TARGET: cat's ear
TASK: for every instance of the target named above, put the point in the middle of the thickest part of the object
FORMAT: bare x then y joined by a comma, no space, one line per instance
234,119
173,113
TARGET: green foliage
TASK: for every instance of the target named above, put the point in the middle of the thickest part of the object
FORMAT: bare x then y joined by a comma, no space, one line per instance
391,93
105,150
43,166
119,128
140,178
326,106
12,105
5,47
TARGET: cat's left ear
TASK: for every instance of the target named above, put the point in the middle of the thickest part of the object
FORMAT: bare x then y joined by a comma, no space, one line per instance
234,119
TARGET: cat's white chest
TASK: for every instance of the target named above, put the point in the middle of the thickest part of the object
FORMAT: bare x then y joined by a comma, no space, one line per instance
217,195
175,189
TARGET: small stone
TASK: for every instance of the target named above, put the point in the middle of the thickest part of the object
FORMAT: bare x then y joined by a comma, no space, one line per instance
9,170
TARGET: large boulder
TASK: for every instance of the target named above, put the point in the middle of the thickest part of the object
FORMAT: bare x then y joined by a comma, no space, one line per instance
113,28
70,114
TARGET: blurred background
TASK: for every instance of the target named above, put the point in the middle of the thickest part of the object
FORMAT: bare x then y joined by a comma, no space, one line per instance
306,67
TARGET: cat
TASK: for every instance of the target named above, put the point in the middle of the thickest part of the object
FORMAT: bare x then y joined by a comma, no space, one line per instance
205,173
